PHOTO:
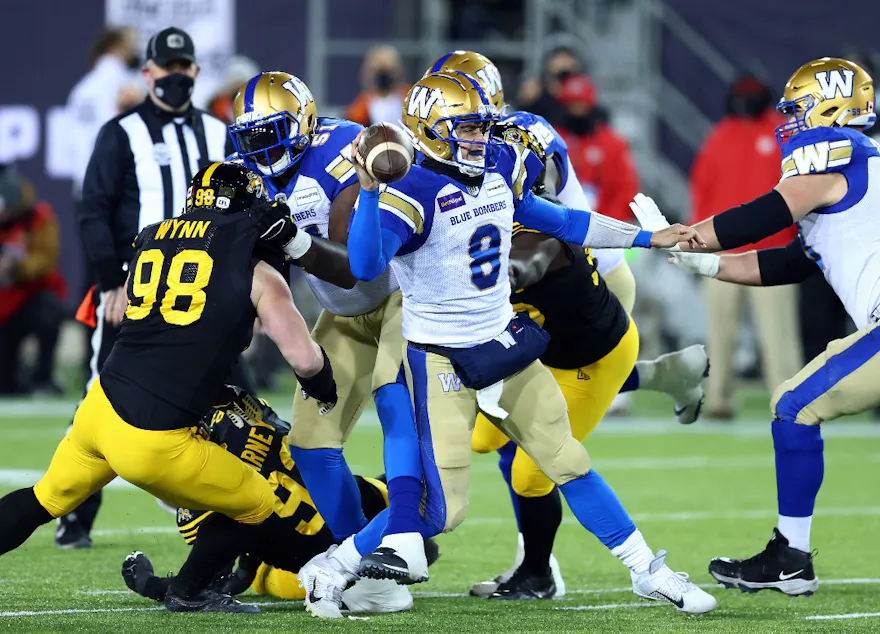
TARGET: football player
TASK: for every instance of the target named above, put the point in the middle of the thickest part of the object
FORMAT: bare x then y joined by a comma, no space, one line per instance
829,187
251,430
304,163
196,285
466,350
679,373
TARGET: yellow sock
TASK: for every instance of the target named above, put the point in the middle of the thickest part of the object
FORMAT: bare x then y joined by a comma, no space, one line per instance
277,583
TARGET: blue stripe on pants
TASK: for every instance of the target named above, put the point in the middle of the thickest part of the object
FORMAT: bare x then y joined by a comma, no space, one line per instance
435,502
835,369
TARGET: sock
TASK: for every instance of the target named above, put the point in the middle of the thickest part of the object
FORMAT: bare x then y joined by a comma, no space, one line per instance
541,518
346,558
219,542
596,507
405,499
278,583
401,446
633,381
20,515
634,553
645,373
796,530
333,489
800,467
505,462
156,588
369,537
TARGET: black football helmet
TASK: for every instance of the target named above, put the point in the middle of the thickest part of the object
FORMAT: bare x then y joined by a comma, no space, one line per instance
227,188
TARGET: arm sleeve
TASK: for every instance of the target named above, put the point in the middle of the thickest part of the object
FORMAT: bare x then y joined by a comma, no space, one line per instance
785,265
373,237
102,191
581,227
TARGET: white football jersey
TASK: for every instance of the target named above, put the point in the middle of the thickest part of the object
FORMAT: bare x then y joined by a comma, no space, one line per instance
844,239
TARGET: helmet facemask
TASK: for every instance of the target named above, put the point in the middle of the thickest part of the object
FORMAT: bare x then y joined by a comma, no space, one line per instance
270,145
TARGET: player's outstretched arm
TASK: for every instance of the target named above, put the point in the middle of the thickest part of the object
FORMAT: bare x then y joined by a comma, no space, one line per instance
792,199
592,229
285,326
532,256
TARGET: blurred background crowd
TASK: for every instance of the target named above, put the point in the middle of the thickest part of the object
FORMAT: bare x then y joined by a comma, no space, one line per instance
674,98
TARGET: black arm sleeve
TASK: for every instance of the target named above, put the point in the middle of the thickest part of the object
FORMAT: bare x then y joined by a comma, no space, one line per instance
786,265
102,192
753,221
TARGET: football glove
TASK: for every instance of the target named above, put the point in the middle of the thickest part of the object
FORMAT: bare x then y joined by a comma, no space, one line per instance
321,387
649,215
705,264
276,226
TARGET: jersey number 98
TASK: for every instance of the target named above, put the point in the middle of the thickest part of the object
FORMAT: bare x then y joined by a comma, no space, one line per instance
145,285
485,251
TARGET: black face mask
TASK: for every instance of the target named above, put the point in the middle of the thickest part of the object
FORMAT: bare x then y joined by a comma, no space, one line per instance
562,75
383,80
579,124
174,90
750,104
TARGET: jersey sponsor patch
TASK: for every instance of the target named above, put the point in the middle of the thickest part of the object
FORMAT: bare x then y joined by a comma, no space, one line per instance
496,189
307,196
450,201
817,158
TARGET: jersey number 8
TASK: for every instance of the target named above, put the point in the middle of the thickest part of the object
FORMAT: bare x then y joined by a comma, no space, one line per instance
485,251
145,285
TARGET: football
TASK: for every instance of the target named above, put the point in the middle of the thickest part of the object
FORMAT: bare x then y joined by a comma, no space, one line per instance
385,152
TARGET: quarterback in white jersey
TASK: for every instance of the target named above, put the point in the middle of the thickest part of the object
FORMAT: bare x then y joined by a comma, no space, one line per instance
830,186
446,229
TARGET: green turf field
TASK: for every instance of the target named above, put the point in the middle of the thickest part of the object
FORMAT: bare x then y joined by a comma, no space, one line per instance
699,492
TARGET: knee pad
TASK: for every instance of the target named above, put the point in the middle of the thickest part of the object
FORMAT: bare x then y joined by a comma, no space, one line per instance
789,436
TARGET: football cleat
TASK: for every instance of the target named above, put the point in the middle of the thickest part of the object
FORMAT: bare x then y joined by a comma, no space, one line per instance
376,595
137,569
241,578
71,534
682,378
660,583
206,601
400,557
778,567
484,589
523,585
324,585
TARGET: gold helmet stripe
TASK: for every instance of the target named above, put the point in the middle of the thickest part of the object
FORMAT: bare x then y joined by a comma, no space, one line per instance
206,178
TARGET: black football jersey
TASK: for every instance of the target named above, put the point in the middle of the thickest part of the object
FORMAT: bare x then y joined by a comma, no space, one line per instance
189,316
584,319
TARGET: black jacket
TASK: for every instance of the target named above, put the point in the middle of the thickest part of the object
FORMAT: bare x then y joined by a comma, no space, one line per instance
138,175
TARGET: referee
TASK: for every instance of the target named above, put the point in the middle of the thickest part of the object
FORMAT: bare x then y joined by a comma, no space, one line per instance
138,174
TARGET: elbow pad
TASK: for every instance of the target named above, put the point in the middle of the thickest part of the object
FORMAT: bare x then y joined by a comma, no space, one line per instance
753,221
321,387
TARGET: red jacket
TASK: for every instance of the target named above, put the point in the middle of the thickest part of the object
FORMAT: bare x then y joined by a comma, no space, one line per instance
605,169
738,162
36,235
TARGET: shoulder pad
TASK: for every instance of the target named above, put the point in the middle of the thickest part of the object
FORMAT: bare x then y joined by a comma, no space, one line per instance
816,151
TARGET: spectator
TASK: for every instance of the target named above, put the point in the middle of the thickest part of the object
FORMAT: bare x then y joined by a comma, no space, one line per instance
31,286
601,157
740,161
239,70
382,88
540,96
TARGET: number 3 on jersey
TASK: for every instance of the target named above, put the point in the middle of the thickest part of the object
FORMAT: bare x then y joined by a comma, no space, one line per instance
187,276
485,251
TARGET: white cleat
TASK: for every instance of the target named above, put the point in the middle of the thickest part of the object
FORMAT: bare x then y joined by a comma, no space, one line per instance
376,595
660,583
557,578
683,372
400,557
324,585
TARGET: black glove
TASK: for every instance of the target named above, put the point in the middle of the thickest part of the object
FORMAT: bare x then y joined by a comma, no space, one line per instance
273,222
321,387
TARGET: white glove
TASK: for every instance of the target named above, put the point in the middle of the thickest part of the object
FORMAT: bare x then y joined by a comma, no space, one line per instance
649,215
705,264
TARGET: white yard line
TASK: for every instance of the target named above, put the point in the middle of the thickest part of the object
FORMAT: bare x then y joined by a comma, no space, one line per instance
833,617
609,606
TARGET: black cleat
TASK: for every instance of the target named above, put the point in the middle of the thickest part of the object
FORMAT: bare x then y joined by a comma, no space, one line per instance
72,535
524,585
241,578
432,551
137,570
206,601
384,563
778,567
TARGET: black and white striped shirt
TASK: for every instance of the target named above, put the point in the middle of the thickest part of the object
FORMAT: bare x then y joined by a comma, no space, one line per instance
138,174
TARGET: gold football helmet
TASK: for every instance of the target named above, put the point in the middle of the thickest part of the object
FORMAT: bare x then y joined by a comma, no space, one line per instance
477,66
827,92
434,109
275,116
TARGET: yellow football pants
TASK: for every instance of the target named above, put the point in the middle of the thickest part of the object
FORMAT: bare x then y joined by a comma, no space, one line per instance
588,393
178,466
